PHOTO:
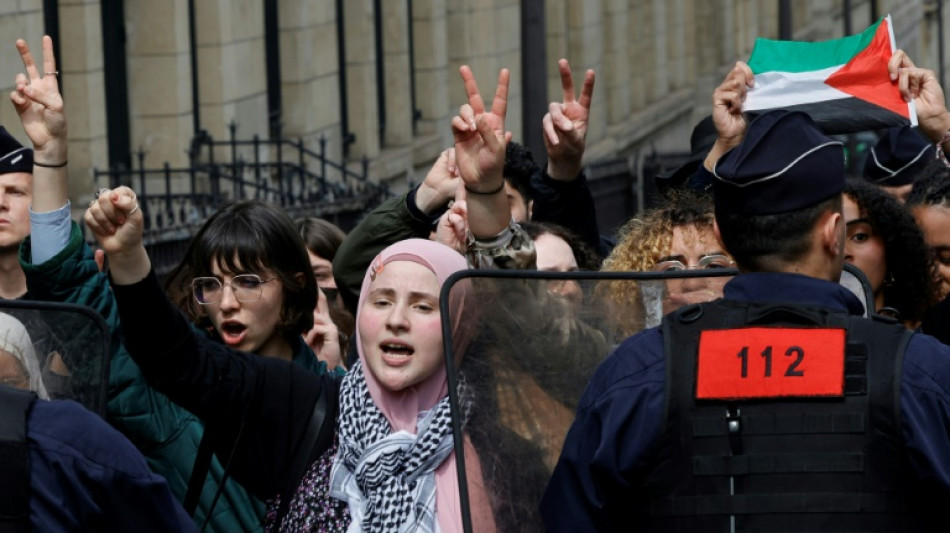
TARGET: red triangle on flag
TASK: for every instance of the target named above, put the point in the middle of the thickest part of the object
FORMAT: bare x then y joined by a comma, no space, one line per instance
866,77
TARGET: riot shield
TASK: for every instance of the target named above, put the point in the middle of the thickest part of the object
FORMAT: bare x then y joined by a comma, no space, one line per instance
519,368
855,281
61,351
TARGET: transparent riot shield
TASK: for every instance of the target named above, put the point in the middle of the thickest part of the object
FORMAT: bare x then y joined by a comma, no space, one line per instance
60,351
855,281
518,368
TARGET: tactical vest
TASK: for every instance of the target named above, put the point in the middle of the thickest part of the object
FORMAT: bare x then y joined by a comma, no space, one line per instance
14,460
780,418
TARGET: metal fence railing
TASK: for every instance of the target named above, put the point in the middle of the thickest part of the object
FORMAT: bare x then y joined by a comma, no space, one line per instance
306,182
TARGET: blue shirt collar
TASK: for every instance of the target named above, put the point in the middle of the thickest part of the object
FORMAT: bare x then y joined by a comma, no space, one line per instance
792,288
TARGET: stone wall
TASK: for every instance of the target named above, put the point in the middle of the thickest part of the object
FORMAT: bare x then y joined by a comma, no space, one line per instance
657,62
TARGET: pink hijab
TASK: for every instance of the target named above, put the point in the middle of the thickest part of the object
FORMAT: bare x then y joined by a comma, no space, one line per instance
402,408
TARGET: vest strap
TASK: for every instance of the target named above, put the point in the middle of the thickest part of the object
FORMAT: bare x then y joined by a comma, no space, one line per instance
802,424
777,463
778,503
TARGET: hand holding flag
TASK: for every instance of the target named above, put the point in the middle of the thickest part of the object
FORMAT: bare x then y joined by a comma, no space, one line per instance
844,84
922,87
727,114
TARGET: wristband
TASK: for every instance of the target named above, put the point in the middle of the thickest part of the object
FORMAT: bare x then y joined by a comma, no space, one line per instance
45,165
486,193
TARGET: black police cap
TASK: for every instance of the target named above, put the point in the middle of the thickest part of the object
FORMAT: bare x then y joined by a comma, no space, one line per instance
899,156
783,163
14,157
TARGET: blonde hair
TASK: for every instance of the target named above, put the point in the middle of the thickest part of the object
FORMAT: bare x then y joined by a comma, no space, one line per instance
641,243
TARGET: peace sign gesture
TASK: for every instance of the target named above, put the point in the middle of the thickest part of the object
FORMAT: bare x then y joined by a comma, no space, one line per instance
38,102
480,136
565,126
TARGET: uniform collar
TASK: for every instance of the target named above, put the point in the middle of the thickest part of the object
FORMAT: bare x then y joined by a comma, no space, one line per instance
792,288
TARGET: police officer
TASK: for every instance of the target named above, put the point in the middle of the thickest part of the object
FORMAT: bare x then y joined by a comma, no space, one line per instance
898,158
62,468
776,408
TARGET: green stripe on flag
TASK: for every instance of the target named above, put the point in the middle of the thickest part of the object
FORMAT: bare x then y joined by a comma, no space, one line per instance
799,56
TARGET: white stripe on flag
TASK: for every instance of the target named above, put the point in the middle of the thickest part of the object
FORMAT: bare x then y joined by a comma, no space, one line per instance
783,89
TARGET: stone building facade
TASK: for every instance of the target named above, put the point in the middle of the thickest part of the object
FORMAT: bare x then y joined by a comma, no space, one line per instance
379,78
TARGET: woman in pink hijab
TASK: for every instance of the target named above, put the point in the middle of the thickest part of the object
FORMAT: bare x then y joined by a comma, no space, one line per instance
396,466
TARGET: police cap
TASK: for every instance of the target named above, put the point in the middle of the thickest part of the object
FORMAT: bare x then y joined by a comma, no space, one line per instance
783,163
899,156
14,157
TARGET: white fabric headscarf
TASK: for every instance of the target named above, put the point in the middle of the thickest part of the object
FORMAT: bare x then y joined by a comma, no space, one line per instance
15,340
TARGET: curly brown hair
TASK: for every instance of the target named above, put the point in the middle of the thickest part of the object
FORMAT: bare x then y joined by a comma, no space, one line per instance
641,243
912,288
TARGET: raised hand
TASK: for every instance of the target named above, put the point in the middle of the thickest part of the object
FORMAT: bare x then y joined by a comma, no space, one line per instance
480,137
39,104
921,86
440,184
480,145
116,221
727,114
452,229
565,126
727,103
324,337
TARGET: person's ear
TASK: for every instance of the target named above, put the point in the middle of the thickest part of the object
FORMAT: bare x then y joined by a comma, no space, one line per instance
832,234
530,209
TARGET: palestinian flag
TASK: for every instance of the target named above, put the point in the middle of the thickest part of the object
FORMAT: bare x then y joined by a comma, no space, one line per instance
842,83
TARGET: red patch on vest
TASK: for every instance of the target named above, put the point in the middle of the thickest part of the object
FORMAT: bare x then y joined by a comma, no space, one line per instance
777,362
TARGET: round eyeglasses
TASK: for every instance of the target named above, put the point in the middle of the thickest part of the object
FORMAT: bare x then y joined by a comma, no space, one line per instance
246,288
706,262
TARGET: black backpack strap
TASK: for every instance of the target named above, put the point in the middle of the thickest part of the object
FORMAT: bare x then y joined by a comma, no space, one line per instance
14,460
319,432
199,473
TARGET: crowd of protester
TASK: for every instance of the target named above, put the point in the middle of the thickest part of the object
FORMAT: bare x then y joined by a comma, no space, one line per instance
288,376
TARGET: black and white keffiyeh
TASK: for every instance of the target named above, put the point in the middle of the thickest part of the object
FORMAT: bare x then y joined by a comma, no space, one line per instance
388,479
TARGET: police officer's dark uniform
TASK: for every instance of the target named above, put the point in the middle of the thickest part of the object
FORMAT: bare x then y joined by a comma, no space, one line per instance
62,468
776,408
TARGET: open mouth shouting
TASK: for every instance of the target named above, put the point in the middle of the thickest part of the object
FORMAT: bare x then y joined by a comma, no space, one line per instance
232,332
396,352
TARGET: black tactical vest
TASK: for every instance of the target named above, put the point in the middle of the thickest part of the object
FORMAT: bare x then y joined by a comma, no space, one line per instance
791,463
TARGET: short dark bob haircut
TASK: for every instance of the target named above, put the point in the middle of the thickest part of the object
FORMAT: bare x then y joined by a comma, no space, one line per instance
250,236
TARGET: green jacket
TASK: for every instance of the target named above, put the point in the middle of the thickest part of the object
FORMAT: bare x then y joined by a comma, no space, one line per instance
391,222
394,220
167,434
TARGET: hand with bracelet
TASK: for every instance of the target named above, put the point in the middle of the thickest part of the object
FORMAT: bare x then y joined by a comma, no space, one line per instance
40,106
480,143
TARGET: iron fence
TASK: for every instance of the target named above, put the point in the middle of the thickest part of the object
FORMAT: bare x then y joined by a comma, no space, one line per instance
175,201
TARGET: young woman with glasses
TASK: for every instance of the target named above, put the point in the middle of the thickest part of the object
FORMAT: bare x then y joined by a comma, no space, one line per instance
396,466
675,235
246,280
60,267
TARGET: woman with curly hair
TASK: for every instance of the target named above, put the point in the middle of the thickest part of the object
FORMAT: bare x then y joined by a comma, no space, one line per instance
929,202
884,242
675,235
